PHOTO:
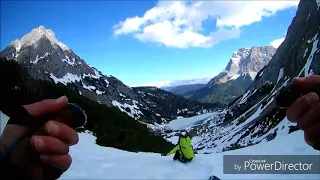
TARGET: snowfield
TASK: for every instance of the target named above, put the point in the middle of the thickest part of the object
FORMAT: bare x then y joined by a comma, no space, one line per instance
183,123
91,161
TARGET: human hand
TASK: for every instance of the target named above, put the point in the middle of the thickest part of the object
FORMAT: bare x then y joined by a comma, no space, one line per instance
52,147
305,111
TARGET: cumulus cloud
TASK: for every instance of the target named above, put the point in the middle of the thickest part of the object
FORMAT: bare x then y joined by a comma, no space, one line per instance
180,23
276,43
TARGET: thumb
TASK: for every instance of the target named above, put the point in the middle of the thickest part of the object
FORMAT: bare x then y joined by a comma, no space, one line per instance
46,106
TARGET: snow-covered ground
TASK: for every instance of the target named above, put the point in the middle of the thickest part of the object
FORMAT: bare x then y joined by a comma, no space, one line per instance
183,123
91,161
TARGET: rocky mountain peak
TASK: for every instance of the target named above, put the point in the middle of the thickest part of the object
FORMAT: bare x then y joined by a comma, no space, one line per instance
249,61
35,35
243,67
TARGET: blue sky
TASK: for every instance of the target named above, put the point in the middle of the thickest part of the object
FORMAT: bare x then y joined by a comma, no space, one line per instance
173,41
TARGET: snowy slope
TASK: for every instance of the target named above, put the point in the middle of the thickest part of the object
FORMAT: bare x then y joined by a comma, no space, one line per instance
91,161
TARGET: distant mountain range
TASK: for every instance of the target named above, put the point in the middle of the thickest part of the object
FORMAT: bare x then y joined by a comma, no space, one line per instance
186,90
241,70
46,58
173,84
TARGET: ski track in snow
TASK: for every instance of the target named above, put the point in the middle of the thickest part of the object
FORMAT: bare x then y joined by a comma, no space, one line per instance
91,161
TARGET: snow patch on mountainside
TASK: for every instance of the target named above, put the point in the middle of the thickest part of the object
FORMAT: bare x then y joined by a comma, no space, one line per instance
305,53
99,92
35,61
311,55
252,74
234,77
68,78
280,74
106,81
246,95
70,62
131,110
63,46
96,75
90,88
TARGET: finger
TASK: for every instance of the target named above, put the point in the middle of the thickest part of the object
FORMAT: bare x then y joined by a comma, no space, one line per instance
307,82
47,144
314,129
46,106
308,139
310,119
301,106
312,138
62,132
61,162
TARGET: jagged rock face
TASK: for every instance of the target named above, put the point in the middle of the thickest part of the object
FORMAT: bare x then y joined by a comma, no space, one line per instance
241,70
253,117
246,61
48,59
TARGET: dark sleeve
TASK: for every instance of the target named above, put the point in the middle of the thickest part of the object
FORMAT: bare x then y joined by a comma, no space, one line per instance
8,171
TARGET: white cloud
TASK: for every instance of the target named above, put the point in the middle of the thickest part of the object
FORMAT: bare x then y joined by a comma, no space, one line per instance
276,43
179,23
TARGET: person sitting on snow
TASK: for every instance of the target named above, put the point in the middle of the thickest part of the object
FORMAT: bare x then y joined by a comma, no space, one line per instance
183,150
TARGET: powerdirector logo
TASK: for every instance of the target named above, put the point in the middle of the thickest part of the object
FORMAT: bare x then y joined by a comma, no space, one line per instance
271,164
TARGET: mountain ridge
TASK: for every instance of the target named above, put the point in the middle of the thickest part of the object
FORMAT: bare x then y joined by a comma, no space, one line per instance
48,59
244,63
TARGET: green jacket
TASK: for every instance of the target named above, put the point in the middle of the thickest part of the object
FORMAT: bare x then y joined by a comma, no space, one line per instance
185,147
